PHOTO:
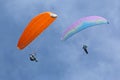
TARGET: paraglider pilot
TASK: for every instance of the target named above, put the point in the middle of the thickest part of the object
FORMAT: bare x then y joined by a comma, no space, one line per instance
85,49
33,58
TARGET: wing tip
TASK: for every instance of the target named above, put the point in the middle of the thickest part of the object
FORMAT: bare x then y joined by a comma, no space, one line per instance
19,48
53,15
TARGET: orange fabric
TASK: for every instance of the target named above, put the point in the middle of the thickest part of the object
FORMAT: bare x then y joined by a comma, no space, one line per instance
36,26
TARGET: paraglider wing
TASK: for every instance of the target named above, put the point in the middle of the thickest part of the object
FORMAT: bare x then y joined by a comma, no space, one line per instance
82,24
36,26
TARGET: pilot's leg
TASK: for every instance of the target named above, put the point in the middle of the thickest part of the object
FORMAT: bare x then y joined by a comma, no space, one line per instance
86,51
36,60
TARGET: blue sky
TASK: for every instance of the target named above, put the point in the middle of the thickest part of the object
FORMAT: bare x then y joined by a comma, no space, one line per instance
60,60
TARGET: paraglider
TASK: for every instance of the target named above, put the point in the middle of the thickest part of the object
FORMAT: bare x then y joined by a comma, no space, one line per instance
33,58
36,26
85,48
82,24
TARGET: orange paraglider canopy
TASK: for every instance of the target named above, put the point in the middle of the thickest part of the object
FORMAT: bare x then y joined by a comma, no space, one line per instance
36,26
